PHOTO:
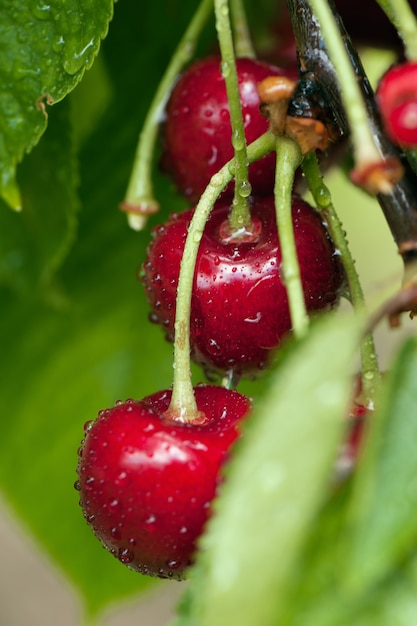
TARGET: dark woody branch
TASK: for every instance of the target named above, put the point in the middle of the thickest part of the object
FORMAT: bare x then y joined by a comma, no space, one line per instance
319,94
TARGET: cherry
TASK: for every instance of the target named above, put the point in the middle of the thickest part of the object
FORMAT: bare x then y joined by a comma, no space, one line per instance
197,133
239,307
397,100
146,483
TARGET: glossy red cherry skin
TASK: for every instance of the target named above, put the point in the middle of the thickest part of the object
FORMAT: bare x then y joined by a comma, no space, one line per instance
239,308
397,100
197,132
146,483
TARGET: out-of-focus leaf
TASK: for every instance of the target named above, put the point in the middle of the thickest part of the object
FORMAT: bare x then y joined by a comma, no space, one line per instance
382,513
275,484
35,242
46,47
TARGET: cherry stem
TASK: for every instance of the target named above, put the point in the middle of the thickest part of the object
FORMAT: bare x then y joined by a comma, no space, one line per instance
139,200
371,376
183,405
288,159
404,20
364,148
243,40
240,215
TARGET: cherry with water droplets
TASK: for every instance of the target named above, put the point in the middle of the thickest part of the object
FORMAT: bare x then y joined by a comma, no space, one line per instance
239,305
197,133
147,492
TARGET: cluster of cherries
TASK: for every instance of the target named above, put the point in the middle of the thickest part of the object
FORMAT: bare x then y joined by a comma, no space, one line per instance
146,478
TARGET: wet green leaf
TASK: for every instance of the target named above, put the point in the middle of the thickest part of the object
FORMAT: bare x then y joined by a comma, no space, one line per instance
46,47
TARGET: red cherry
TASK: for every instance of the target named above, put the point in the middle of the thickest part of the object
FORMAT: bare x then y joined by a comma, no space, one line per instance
239,308
146,483
397,100
198,133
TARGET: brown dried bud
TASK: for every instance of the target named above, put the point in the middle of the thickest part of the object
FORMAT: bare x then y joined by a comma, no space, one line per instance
138,212
310,134
378,177
275,93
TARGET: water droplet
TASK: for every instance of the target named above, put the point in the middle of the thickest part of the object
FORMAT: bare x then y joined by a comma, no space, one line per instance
225,115
125,556
75,62
245,189
238,142
58,44
213,347
77,485
42,11
153,318
115,533
88,425
217,180
150,520
121,476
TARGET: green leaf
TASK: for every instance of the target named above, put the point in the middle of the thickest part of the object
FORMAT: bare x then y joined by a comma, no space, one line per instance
36,241
275,484
46,47
382,513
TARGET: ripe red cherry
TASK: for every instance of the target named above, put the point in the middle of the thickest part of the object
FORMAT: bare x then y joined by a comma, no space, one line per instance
198,133
146,483
397,100
239,308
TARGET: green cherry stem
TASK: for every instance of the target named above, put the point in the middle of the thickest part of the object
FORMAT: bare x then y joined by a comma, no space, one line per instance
370,371
364,147
288,159
240,216
242,37
139,201
404,20
183,405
